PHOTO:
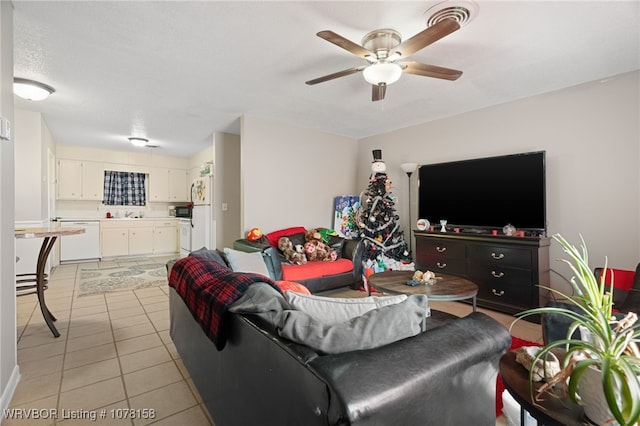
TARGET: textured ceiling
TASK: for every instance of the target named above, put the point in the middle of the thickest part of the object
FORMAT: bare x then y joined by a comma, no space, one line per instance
175,72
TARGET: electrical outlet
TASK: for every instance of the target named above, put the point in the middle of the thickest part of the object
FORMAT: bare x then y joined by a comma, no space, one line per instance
225,207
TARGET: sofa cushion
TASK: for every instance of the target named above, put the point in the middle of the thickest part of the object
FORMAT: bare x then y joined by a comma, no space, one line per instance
334,310
315,269
377,327
274,236
241,261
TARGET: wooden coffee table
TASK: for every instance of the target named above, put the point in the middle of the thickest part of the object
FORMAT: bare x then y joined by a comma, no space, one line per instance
446,289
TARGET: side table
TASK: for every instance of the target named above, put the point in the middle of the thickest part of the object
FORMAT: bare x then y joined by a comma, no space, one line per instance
550,411
50,236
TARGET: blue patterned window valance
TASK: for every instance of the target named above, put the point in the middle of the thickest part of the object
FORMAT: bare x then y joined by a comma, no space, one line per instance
124,188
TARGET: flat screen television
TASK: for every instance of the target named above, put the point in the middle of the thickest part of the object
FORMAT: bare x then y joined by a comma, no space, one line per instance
486,193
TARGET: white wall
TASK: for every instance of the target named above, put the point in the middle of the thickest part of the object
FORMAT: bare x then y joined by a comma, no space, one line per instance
227,189
31,171
291,175
9,371
592,138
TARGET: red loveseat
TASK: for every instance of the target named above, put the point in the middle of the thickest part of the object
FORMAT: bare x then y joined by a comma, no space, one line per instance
316,276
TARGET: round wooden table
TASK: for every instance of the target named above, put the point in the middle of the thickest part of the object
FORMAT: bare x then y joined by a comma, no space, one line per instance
446,289
50,236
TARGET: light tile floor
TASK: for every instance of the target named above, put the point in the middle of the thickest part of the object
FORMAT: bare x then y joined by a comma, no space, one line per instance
115,356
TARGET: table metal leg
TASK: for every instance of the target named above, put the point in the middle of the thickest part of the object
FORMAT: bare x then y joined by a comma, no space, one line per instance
41,281
474,304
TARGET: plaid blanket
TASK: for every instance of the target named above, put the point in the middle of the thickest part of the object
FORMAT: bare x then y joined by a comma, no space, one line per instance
209,289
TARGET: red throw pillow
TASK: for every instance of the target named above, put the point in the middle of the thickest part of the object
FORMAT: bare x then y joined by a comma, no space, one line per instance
274,236
292,286
622,279
622,283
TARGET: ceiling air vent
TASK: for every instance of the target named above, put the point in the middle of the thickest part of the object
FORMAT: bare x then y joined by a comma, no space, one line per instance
460,11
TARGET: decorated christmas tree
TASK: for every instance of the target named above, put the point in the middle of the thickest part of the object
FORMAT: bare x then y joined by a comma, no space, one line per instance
384,244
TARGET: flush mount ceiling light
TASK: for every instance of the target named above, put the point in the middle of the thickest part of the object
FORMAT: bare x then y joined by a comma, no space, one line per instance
140,142
31,90
382,73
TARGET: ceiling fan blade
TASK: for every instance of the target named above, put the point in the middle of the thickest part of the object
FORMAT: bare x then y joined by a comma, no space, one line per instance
418,68
427,37
335,75
378,91
346,44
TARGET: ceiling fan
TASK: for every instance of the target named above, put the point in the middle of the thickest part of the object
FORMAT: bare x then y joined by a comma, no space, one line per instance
384,48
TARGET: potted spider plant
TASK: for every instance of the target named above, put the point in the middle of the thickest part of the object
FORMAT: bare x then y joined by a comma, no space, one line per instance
608,345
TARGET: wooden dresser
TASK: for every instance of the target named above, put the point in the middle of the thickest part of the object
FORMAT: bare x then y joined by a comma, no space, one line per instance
507,270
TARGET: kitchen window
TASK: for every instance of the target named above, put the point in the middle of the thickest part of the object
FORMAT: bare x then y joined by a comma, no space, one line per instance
124,188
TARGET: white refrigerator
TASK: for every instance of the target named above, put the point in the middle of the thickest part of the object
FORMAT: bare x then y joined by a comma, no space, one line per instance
203,224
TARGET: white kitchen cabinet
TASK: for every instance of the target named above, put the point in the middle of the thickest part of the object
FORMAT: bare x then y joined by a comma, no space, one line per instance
69,180
140,240
134,237
80,180
178,185
158,184
114,241
92,180
167,185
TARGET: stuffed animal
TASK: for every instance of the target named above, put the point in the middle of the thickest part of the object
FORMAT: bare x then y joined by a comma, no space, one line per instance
290,252
316,249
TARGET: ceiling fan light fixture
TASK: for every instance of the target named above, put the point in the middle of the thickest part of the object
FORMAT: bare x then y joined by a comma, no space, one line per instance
139,142
382,73
31,90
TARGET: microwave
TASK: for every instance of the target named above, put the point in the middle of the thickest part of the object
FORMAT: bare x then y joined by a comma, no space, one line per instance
183,211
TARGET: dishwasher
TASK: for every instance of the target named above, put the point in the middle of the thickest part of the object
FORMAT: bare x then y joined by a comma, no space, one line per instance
80,247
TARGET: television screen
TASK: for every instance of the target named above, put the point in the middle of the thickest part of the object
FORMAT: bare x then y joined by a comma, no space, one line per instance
486,192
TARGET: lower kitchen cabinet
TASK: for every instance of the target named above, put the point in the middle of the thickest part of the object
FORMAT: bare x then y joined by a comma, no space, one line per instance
134,237
140,240
165,239
115,242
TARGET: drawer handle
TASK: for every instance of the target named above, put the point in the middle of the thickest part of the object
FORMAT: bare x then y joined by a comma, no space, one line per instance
441,249
497,256
497,293
497,274
441,265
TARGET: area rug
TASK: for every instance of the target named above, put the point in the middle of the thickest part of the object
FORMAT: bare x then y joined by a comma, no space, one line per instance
516,343
120,278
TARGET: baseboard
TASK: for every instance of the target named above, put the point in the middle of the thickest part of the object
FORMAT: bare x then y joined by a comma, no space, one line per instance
9,390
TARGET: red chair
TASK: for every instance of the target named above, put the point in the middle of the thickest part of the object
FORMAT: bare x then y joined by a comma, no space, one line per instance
626,284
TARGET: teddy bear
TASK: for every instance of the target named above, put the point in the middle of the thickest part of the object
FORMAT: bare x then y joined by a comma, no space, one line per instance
316,249
295,255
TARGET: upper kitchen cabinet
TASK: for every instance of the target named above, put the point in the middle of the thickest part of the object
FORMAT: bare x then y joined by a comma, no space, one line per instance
178,185
167,185
80,180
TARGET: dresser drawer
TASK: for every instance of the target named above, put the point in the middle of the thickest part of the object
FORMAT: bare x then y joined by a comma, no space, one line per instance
441,248
499,274
441,264
499,293
496,255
